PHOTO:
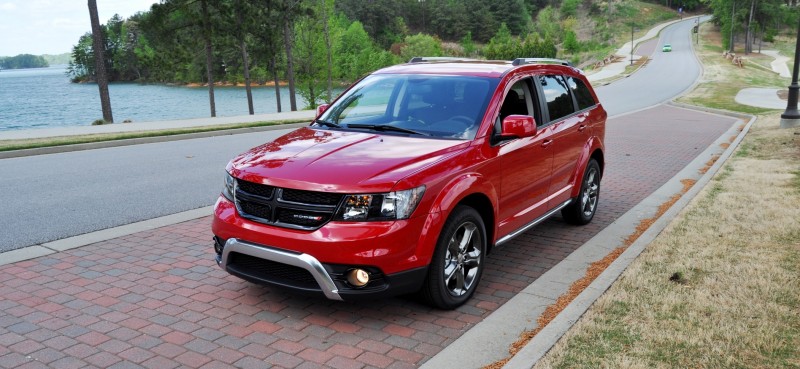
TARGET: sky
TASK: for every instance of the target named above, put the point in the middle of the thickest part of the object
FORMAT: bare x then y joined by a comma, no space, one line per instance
53,26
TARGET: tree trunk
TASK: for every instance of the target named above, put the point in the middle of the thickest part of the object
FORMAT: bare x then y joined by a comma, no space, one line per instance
733,16
287,42
274,67
100,63
209,56
748,43
328,47
245,62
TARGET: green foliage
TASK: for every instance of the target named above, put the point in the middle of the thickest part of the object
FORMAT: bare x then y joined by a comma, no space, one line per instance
569,8
571,44
22,61
468,45
420,45
504,46
81,66
164,44
548,23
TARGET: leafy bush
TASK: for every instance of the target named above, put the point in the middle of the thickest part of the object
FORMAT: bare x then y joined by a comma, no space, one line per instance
420,45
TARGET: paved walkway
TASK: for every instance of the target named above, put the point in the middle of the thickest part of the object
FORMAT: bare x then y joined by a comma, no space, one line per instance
156,299
767,97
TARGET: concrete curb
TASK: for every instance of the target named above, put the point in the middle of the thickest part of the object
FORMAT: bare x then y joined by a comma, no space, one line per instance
69,243
535,349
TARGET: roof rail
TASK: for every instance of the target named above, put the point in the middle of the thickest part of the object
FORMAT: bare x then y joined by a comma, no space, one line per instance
523,61
422,59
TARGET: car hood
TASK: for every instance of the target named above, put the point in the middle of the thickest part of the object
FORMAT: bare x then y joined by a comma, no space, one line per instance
337,161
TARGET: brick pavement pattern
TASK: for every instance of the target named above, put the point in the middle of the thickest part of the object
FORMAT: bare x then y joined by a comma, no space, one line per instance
156,299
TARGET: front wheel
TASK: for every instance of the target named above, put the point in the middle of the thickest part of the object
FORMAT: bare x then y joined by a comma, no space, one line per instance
582,209
457,262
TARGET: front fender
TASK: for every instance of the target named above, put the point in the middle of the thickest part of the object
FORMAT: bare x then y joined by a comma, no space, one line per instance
451,194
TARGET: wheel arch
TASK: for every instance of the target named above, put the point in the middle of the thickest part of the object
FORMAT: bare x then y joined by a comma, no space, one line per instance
592,150
481,203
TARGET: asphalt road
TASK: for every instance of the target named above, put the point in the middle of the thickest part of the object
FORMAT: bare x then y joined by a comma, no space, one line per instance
666,76
50,197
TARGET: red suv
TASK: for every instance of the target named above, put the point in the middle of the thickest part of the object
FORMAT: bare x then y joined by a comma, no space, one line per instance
410,177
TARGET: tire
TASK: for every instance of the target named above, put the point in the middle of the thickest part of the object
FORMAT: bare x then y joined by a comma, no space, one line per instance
458,260
582,209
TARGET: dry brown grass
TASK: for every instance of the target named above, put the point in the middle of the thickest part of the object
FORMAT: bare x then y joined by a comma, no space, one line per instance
594,270
720,286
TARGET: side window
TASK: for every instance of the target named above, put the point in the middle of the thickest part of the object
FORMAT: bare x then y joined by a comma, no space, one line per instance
582,94
515,101
556,94
518,101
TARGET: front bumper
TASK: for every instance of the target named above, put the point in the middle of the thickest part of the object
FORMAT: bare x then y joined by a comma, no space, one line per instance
304,273
395,254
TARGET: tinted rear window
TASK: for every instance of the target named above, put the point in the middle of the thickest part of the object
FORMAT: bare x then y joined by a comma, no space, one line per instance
559,102
581,92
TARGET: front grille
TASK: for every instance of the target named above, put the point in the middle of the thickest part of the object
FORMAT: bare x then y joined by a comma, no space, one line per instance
256,210
283,207
271,271
310,197
256,189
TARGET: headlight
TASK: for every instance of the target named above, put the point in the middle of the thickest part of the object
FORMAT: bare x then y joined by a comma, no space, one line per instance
230,186
384,206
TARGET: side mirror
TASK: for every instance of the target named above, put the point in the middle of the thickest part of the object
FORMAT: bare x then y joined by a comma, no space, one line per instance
321,108
518,126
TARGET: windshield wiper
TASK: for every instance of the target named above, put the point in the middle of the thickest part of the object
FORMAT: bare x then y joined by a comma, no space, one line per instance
385,127
326,123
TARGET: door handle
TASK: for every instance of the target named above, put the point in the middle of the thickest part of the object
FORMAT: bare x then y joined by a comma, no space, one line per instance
546,143
581,128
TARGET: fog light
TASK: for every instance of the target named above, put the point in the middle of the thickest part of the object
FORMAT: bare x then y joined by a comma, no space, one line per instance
357,277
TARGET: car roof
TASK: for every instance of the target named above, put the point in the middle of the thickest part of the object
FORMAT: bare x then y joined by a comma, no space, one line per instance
467,68
472,67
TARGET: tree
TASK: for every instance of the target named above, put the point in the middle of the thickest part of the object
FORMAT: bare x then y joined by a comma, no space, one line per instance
267,39
329,53
420,45
502,46
23,61
310,64
209,55
81,62
100,65
239,11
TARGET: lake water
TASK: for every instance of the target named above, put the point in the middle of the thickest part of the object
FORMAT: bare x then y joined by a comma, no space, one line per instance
43,98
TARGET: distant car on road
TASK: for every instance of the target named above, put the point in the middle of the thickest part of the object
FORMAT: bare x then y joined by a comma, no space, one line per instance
666,48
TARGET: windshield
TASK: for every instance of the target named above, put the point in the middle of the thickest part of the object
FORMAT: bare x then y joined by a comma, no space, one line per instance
435,106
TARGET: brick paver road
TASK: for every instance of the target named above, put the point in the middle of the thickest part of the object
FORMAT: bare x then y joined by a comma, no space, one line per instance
156,299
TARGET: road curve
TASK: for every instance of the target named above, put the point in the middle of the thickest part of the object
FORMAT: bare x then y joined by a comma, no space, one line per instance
665,77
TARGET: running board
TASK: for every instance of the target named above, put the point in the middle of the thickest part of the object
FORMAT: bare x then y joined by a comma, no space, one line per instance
530,225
